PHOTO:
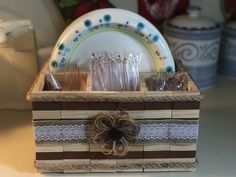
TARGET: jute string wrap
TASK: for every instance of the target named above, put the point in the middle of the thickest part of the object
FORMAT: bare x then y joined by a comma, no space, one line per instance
113,132
147,165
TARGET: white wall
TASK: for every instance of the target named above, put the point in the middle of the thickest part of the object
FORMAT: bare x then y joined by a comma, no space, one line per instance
210,8
126,4
44,15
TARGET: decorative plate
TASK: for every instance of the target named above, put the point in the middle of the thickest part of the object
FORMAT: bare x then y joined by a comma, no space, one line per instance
112,30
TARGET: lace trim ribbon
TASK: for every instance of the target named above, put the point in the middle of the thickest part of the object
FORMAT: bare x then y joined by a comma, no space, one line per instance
154,132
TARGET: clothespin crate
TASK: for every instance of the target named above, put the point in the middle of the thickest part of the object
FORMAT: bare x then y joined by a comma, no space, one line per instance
168,128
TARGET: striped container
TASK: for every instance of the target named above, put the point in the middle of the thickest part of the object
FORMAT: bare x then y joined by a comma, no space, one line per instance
167,140
195,40
227,64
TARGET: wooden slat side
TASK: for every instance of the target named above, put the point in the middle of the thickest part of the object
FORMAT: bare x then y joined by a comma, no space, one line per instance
76,166
95,148
131,165
155,165
102,165
186,105
76,147
127,165
45,96
48,148
192,87
100,155
187,147
38,84
157,114
148,114
49,166
46,106
185,114
179,164
157,147
74,96
49,156
46,115
54,105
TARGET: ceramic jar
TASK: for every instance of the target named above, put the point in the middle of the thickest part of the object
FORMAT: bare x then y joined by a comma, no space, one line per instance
194,39
227,64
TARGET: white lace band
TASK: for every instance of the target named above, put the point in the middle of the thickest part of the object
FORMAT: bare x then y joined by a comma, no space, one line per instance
151,131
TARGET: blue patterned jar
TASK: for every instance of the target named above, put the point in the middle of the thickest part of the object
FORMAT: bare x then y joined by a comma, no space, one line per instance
195,40
227,64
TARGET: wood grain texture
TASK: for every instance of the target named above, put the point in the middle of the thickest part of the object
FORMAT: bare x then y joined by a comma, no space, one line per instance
48,148
180,164
157,147
185,105
47,115
157,114
102,165
49,166
84,147
76,147
169,154
140,114
76,166
38,84
187,147
181,114
74,106
94,148
100,155
164,162
185,165
125,164
132,96
76,155
44,106
130,106
192,87
49,156
186,94
45,96
82,114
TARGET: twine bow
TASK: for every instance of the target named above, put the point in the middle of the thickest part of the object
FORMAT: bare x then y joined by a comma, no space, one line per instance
113,132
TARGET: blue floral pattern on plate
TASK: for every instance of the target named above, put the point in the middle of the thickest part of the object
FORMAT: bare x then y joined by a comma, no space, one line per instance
116,20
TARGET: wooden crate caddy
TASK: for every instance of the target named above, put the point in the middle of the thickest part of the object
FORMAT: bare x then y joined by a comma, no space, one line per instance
61,119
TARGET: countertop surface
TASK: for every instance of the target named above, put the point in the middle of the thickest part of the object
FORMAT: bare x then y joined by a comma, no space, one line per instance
216,150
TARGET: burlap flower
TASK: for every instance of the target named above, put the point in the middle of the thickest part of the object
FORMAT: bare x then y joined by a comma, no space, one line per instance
113,132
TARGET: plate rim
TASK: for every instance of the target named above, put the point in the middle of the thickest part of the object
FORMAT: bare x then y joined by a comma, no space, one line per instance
72,28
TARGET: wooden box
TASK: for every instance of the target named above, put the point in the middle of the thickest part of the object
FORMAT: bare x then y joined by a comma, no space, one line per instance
168,122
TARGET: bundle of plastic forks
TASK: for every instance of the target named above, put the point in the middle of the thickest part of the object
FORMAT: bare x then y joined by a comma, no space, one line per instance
115,72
